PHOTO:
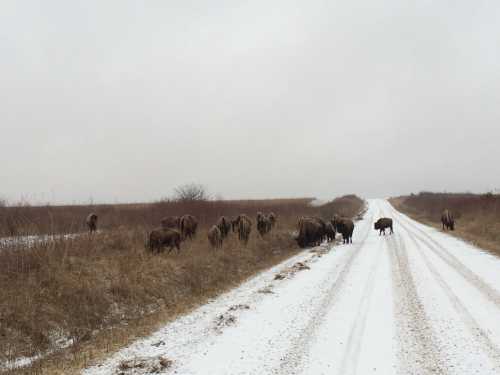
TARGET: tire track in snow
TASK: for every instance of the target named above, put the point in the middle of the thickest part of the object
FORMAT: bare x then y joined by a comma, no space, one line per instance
419,352
292,362
350,359
471,277
479,334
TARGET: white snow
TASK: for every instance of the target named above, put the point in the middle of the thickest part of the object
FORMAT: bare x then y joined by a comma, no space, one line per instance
30,240
416,302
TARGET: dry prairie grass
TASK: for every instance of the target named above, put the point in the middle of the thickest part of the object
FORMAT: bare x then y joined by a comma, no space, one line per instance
99,292
477,216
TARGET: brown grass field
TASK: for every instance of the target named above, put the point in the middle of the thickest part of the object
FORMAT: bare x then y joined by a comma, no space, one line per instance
477,216
103,291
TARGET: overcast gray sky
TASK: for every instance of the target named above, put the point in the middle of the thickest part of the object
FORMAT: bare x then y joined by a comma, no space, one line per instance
124,100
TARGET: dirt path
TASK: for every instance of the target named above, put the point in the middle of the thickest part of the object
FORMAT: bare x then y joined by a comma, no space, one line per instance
416,302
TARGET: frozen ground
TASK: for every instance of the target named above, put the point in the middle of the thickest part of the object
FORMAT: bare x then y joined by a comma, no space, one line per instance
416,302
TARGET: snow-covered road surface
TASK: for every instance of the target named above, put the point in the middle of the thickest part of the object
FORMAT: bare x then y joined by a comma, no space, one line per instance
416,302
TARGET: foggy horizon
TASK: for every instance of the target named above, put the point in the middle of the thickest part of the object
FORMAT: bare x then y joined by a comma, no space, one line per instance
124,101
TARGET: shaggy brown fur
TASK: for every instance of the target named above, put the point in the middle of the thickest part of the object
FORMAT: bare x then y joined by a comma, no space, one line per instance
160,238
215,237
382,224
330,232
345,227
224,225
188,226
243,226
263,224
447,220
172,222
310,232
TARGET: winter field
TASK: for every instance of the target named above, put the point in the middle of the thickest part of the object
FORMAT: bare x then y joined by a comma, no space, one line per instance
416,302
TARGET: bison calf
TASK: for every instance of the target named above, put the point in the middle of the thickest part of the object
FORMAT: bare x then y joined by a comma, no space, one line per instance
382,224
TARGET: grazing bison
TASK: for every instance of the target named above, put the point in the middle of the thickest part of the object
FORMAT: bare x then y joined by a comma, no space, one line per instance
224,225
243,226
345,227
172,222
188,226
91,222
160,238
310,232
263,224
447,220
272,219
382,224
330,232
215,236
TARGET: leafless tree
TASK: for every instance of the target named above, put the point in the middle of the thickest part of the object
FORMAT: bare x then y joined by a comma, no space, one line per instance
191,192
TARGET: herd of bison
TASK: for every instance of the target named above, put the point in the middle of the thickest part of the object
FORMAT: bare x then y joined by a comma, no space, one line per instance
312,231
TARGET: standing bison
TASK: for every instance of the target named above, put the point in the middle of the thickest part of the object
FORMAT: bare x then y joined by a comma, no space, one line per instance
188,226
215,237
330,232
345,227
172,222
447,220
382,224
311,232
243,226
263,224
160,238
224,225
91,222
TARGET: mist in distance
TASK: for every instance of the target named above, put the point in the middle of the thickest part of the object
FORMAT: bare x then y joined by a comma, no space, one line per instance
122,101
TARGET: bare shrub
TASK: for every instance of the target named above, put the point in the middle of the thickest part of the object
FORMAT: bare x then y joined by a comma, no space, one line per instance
191,192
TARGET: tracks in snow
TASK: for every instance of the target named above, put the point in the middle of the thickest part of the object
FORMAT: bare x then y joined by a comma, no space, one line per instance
416,302
426,247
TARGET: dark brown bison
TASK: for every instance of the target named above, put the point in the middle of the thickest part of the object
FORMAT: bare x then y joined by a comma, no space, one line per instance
188,226
160,238
172,222
310,232
382,224
91,222
272,219
322,231
215,236
345,227
243,226
263,224
330,232
224,225
447,220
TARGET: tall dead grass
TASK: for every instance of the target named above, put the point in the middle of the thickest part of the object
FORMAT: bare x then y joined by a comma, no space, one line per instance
23,219
96,293
477,216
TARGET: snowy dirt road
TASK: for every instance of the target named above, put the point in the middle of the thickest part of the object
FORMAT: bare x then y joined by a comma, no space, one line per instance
416,302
